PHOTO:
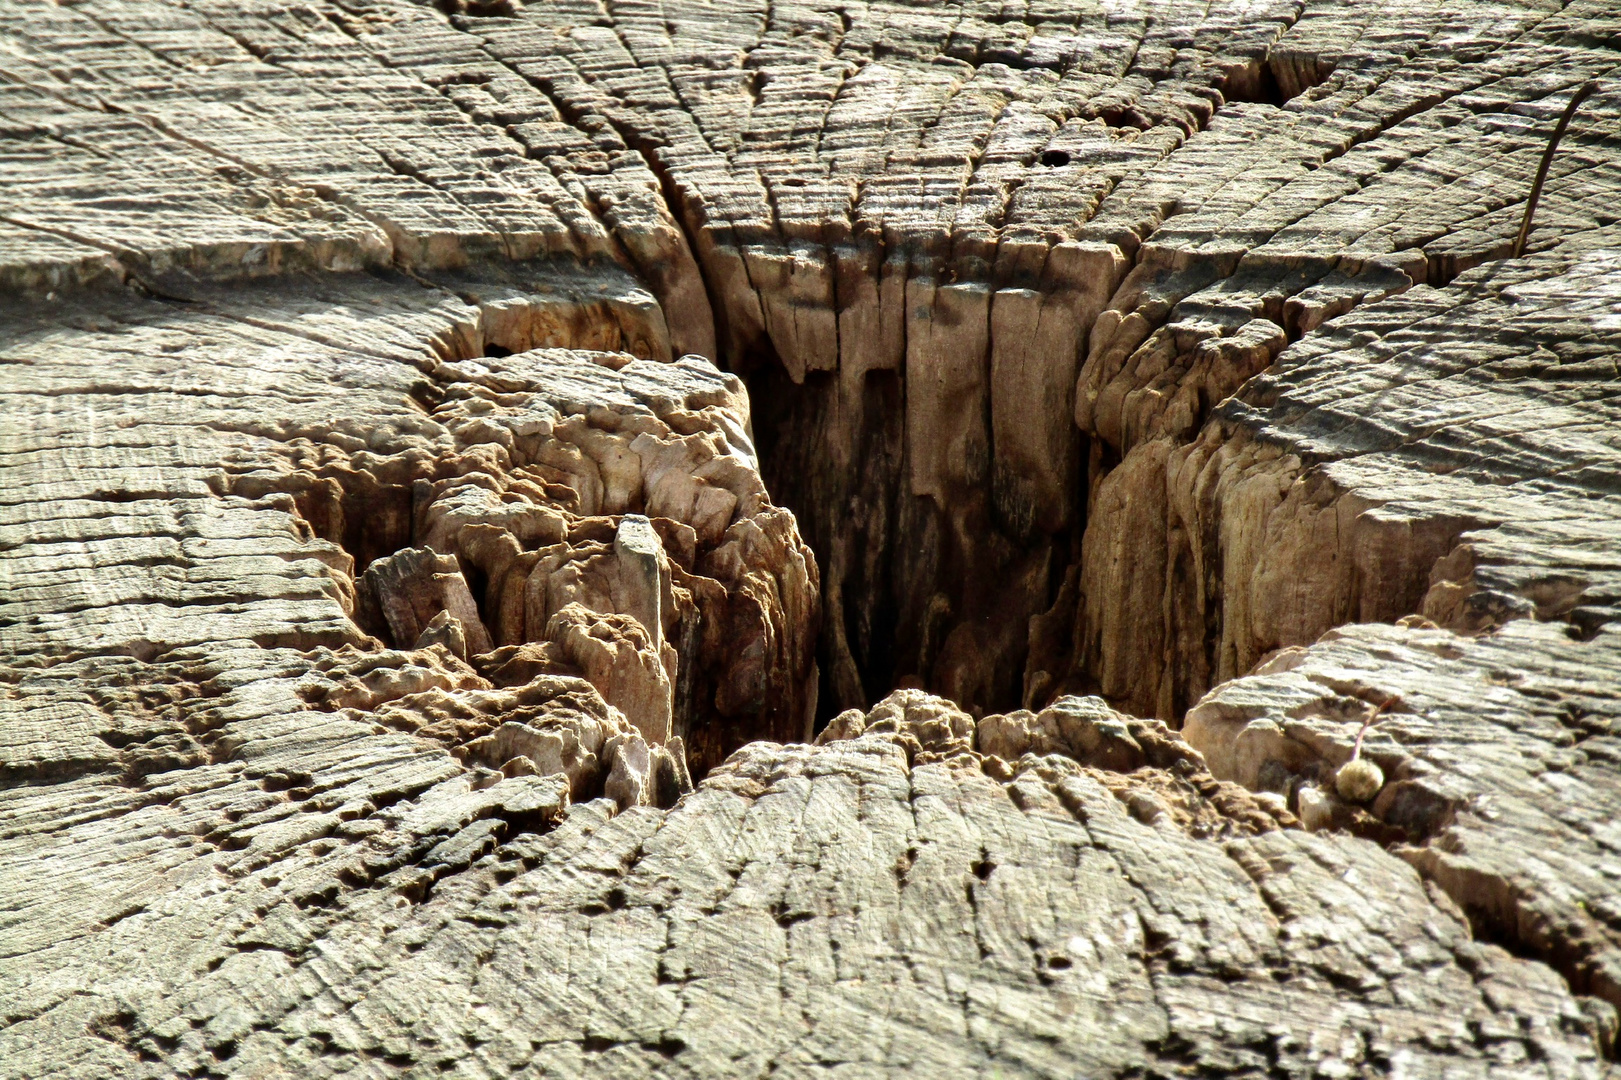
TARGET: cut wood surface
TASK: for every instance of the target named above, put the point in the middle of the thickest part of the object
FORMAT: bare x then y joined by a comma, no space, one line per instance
475,476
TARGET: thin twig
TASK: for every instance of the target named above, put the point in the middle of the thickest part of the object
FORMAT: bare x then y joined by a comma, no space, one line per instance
1547,159
1373,718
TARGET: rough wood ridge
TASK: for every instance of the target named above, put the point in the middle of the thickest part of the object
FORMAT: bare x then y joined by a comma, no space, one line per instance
476,473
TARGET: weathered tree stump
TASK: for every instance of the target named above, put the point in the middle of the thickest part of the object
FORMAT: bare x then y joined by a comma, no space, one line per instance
597,538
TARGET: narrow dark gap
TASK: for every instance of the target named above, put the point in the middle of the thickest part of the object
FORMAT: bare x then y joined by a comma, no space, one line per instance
480,9
1276,80
1259,85
918,591
789,424
367,519
478,583
876,630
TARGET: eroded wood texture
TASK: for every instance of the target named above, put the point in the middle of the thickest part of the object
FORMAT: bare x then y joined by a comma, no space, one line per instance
384,550
871,906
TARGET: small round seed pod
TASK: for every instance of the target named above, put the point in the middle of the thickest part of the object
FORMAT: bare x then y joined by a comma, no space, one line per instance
1358,780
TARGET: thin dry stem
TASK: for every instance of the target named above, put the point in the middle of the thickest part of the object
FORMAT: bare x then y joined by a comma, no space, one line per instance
1547,159
1373,718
